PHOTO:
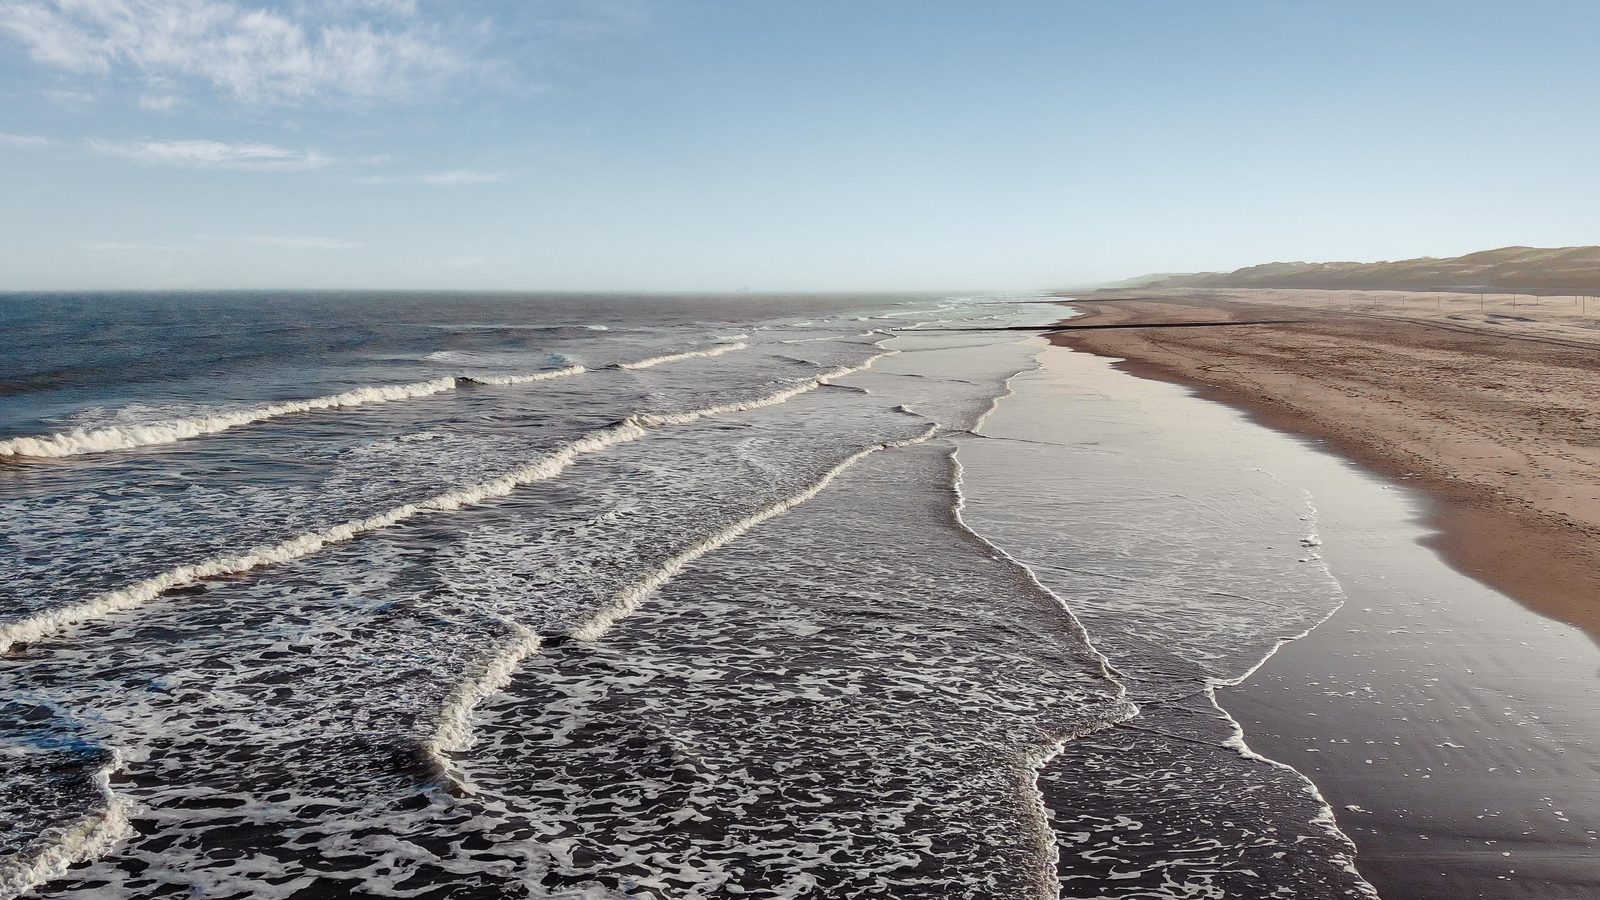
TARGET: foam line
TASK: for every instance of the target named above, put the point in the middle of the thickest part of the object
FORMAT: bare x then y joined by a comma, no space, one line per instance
629,599
79,441
690,354
497,380
549,466
1326,819
85,440
54,852
493,673
1039,812
303,545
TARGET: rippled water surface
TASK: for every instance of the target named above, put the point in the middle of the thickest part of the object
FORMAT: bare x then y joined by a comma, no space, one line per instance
455,596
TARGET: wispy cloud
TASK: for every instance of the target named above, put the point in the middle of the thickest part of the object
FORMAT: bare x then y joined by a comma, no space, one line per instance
460,177
126,247
204,154
446,179
24,140
387,7
159,102
70,97
292,243
357,49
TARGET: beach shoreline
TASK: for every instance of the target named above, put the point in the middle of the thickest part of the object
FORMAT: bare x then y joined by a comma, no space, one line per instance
1510,500
1447,727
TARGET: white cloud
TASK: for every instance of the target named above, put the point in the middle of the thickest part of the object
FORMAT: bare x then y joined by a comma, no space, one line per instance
159,102
71,98
387,7
450,178
256,55
293,243
23,140
213,155
460,177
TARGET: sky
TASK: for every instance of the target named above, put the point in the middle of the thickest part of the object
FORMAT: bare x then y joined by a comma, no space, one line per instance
658,145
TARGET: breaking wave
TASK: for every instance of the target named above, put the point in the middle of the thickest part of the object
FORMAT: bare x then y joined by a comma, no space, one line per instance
496,380
689,354
549,466
453,733
628,599
55,851
81,441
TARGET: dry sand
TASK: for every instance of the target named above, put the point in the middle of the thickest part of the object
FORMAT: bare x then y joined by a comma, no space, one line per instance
1491,412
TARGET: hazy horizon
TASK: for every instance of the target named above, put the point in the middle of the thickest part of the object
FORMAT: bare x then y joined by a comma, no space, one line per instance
624,145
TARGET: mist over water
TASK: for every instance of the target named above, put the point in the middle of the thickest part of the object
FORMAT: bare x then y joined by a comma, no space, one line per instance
651,597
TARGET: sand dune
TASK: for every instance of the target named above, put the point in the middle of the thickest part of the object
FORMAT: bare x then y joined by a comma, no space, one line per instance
1526,269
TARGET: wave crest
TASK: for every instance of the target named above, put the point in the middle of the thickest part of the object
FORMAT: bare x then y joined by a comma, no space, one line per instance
688,354
549,466
79,441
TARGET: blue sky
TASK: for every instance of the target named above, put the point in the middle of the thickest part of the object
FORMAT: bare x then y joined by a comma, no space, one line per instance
639,145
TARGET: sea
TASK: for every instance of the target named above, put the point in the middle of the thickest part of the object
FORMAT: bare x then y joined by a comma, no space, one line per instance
610,596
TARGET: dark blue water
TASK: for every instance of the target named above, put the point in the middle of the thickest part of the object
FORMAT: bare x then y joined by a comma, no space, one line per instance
63,353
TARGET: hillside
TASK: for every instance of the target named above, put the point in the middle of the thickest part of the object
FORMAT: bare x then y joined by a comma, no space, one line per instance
1562,270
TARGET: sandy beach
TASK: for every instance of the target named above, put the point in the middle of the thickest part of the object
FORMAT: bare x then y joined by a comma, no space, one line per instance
1484,409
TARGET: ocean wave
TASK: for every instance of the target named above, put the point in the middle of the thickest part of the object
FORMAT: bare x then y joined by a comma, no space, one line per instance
55,851
101,439
628,599
549,466
79,441
497,380
453,733
689,354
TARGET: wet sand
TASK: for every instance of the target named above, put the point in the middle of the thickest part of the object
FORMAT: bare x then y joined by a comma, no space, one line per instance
1455,733
1494,422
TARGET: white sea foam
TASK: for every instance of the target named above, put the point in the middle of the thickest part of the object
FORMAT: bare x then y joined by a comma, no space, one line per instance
58,849
51,621
684,418
549,466
524,379
689,354
79,441
628,599
1326,818
453,731
1129,710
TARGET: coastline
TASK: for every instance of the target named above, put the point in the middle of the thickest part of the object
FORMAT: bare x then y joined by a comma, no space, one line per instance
1508,501
1447,727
